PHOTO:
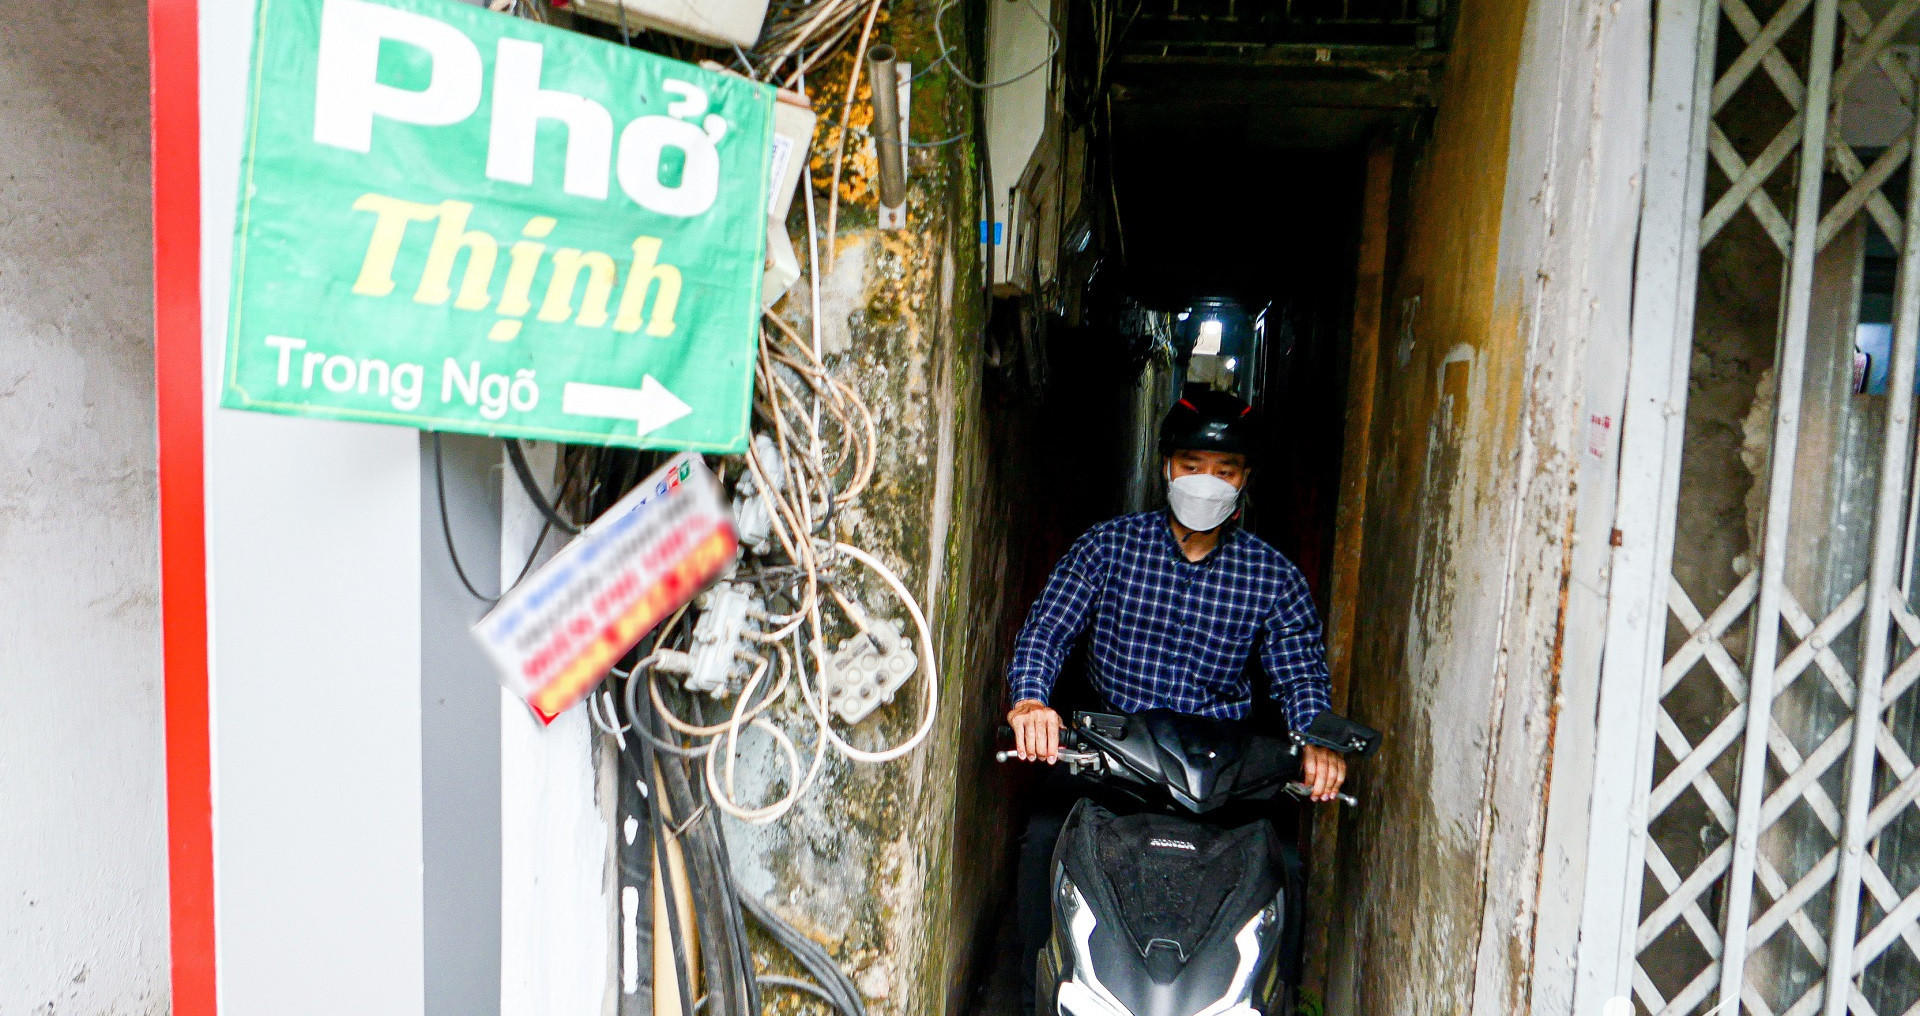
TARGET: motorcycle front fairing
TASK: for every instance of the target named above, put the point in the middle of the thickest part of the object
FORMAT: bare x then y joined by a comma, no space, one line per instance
1158,915
1173,911
1201,764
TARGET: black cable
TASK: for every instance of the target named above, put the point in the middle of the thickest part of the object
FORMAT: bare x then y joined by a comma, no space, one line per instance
781,981
631,694
812,957
811,954
827,519
796,984
446,531
520,468
656,833
651,766
715,838
736,921
735,987
728,979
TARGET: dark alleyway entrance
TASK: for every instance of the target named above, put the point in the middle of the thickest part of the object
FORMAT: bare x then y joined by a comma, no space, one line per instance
1210,239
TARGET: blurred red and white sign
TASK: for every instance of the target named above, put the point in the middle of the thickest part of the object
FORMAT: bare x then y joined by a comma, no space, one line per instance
555,634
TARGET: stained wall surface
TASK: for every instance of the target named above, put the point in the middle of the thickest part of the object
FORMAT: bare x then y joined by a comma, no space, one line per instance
897,867
83,890
1497,394
1450,380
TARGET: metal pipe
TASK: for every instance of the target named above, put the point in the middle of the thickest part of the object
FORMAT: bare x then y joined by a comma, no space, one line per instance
884,79
1883,577
1790,369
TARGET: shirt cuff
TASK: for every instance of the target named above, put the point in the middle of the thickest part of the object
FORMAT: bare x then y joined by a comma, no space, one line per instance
1025,688
1300,718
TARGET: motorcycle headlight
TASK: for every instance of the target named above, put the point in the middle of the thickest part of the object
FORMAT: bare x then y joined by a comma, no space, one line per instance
1082,994
1253,939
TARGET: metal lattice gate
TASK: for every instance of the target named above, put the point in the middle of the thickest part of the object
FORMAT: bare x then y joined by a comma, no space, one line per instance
1768,519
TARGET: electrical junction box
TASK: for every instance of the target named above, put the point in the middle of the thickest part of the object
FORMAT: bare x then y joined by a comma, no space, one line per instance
717,639
866,670
752,514
783,266
793,122
720,22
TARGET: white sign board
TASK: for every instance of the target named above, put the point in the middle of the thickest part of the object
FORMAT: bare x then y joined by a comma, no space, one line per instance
554,635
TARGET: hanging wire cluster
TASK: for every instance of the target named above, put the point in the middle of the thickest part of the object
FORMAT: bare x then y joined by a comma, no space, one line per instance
814,456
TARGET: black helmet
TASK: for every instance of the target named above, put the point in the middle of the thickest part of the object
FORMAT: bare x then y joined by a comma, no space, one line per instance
1209,420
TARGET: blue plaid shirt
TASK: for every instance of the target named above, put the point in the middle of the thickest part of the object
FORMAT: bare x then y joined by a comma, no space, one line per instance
1171,633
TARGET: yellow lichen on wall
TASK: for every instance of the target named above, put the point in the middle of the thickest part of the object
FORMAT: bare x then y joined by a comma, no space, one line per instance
828,89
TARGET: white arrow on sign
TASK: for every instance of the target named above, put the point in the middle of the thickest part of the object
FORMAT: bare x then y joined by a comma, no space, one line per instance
649,406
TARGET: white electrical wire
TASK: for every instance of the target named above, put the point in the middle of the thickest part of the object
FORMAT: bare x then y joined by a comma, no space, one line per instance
819,480
797,784
753,681
929,670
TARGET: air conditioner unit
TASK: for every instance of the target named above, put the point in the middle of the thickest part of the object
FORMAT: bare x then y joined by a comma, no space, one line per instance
716,21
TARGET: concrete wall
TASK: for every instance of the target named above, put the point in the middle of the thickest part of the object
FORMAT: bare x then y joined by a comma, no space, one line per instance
1431,575
894,867
1488,508
83,890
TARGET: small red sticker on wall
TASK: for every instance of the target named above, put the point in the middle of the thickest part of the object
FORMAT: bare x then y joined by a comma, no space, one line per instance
1599,435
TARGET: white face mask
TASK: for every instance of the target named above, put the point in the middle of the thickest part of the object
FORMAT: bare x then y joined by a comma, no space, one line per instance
1201,501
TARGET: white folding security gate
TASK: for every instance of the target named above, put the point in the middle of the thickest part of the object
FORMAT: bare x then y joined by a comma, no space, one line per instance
1765,681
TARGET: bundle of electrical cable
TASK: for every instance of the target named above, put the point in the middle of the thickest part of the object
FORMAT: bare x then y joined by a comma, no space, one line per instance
686,766
821,451
809,492
813,459
689,762
679,811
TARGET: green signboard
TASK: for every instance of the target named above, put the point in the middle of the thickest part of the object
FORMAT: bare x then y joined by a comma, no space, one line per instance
459,220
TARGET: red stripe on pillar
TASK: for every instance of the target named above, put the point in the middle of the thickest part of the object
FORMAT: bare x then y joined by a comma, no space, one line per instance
174,55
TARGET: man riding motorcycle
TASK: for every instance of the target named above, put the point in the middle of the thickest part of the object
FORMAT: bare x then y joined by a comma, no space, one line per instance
1177,601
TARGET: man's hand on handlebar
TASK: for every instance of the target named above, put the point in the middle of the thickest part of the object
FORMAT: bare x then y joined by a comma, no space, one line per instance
1324,772
1036,731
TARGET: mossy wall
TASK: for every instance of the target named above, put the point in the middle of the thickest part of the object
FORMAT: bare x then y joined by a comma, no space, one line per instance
895,867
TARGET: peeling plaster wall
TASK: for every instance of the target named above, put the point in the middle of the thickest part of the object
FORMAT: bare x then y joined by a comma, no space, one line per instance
83,891
1431,579
893,867
1484,560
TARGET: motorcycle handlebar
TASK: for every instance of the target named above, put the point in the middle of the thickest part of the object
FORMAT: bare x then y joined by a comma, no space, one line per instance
1068,755
1065,755
1304,792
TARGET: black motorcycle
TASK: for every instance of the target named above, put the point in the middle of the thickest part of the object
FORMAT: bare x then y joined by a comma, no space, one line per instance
1178,902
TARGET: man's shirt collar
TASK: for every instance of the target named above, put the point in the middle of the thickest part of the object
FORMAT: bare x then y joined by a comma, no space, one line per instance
1162,522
